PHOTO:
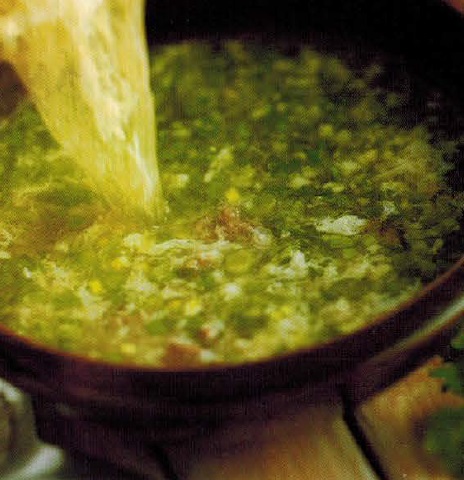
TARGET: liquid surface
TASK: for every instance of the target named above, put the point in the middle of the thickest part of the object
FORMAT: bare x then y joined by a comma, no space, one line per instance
300,206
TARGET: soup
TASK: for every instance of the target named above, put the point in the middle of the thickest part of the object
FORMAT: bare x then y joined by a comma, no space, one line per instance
300,206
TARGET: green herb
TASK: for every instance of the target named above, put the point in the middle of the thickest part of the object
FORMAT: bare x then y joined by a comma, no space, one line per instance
445,430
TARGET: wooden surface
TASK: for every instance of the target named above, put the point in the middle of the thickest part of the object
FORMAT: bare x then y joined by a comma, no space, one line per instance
316,442
309,444
381,440
395,422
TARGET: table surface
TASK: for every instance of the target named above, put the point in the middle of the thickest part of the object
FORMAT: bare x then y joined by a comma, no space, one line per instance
309,442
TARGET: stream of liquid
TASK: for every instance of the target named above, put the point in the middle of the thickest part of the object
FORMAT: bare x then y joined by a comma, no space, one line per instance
85,65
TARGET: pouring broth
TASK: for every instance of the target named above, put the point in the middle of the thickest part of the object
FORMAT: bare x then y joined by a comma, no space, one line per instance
300,207
85,66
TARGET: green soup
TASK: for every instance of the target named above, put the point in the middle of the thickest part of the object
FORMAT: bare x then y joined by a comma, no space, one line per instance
299,207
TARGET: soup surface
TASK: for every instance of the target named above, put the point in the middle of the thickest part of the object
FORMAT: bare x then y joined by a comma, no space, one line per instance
301,205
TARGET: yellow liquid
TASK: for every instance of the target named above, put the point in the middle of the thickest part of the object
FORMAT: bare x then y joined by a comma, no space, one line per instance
85,65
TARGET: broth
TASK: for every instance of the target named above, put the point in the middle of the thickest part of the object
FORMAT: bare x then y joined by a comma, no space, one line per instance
300,206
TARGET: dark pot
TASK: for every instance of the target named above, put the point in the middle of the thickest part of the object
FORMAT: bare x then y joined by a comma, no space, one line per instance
426,37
